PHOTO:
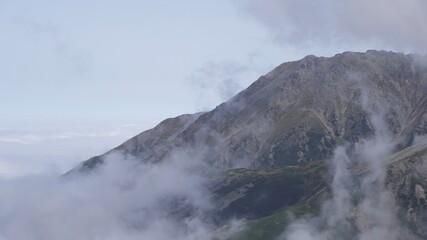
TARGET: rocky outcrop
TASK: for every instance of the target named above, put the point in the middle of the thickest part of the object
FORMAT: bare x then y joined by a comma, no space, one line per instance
407,181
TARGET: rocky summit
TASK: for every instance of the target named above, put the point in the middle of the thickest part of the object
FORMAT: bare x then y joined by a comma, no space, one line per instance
275,139
297,113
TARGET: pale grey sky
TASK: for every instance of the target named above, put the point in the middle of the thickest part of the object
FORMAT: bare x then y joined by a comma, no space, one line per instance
108,65
97,59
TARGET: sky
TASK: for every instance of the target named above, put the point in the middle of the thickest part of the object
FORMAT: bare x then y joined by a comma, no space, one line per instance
79,77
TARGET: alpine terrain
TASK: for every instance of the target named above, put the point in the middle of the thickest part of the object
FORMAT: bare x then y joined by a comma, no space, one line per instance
321,148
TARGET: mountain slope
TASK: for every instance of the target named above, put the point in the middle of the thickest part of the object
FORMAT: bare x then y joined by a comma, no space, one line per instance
297,113
273,143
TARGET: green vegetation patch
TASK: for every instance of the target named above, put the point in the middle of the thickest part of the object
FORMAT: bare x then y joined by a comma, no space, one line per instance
270,227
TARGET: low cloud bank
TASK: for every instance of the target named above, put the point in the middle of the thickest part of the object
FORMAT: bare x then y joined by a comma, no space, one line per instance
35,146
123,199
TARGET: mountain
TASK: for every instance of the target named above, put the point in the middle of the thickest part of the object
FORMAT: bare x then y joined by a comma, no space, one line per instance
297,113
276,138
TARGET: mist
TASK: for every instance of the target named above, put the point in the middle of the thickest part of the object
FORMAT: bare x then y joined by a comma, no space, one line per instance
360,206
347,25
122,199
217,82
54,146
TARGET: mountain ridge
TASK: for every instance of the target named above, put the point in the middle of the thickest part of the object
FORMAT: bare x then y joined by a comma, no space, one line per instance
327,101
298,137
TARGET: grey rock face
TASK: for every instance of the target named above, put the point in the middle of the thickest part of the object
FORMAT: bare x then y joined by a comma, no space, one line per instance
407,181
299,112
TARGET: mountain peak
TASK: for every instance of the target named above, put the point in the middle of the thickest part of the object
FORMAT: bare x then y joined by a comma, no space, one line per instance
299,112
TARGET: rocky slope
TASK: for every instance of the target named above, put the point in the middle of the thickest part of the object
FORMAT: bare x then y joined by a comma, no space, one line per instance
299,112
304,188
271,140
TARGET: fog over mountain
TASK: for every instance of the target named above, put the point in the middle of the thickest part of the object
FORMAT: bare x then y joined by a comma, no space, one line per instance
334,24
320,148
297,113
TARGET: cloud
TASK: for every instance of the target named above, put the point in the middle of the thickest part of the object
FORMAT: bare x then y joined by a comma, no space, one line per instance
361,207
27,139
217,81
123,199
34,146
39,137
394,24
